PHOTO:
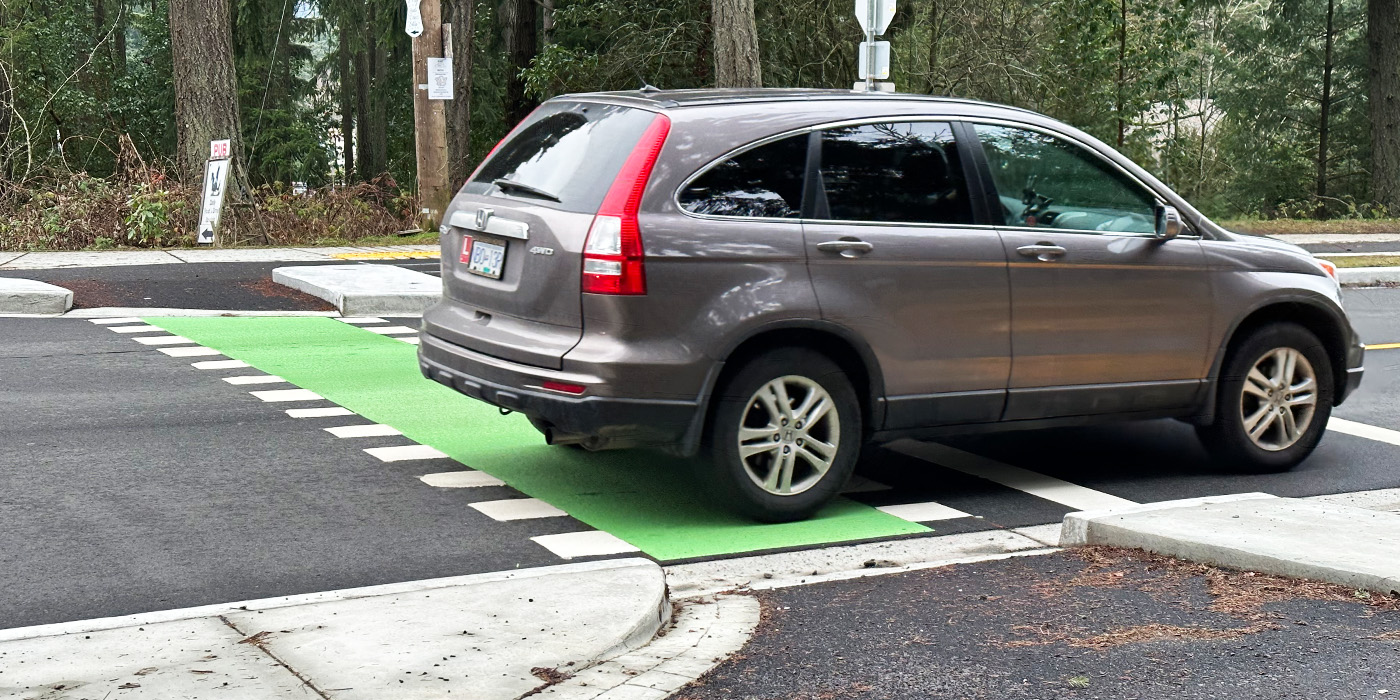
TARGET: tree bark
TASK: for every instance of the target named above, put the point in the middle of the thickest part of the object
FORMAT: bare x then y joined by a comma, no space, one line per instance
206,90
459,110
372,113
934,36
1122,70
1383,40
347,100
547,21
518,19
736,44
119,40
1324,127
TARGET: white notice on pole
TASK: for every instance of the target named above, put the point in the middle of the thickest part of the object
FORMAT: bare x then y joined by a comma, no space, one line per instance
219,150
440,79
882,60
414,26
884,14
215,181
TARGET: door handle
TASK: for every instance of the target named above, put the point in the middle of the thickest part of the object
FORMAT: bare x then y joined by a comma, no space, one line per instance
847,248
1044,252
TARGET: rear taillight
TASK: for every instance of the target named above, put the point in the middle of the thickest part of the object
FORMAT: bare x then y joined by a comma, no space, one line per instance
612,257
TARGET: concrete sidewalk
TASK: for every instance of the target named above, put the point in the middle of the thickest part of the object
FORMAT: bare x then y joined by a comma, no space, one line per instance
480,637
108,258
1303,538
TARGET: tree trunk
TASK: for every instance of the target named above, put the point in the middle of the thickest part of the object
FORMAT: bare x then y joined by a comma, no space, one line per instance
1122,70
370,86
1383,39
518,18
362,112
459,110
347,101
119,40
1323,126
736,44
206,91
547,21
934,35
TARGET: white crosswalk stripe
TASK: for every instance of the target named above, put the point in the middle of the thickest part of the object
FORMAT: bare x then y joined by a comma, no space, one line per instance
363,431
517,509
592,543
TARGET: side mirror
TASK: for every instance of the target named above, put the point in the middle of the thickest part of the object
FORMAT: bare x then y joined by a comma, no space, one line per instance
1168,222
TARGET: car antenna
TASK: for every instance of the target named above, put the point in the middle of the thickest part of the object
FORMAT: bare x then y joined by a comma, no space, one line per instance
646,87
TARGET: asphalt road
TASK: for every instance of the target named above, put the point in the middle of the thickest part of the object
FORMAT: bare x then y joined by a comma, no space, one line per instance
1061,626
132,482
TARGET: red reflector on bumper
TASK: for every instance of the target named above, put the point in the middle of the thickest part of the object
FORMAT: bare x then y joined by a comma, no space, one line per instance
574,389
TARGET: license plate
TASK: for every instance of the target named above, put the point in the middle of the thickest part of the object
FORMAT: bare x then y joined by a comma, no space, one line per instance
482,258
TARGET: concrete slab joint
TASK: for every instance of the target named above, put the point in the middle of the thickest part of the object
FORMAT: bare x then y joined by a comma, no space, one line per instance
1299,538
21,296
364,290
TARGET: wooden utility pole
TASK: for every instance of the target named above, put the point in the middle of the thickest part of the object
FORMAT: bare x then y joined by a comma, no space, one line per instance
430,120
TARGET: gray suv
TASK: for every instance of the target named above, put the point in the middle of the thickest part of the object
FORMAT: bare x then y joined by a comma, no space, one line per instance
775,278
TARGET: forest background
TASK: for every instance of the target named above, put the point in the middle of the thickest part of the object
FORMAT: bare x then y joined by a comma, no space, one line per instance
1255,110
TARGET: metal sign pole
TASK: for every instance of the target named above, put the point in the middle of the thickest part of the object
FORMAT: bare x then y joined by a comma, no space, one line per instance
871,15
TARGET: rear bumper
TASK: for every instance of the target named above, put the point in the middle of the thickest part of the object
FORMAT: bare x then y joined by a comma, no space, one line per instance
516,387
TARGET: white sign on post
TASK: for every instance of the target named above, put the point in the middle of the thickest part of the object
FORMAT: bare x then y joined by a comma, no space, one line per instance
215,182
414,26
882,60
220,150
440,79
883,14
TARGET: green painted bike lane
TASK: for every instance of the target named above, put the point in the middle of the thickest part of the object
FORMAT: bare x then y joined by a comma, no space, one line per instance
645,498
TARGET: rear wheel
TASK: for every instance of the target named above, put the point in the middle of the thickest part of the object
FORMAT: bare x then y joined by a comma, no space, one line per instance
785,435
1274,399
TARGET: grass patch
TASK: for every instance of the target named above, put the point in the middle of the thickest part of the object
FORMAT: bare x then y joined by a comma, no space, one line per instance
1273,227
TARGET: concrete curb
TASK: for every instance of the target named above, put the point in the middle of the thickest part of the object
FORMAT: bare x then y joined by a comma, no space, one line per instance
365,290
31,298
1368,276
481,636
1255,532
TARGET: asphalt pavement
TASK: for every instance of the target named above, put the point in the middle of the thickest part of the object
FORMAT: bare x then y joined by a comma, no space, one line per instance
1084,624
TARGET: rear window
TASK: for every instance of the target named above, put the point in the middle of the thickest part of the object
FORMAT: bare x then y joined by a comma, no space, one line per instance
761,182
571,151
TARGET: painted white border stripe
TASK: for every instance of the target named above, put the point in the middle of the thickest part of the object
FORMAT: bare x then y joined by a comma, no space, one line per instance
143,328
287,395
461,480
1362,430
162,340
220,364
412,340
403,453
357,320
110,321
1046,487
517,509
391,330
362,431
591,543
254,379
923,512
319,412
195,351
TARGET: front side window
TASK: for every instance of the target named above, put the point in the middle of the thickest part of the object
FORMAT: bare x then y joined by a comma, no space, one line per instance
765,181
900,173
1046,182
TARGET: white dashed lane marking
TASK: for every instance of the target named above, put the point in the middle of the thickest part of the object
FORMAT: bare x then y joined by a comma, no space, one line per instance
404,453
583,544
319,412
923,512
361,320
195,351
287,395
220,364
461,480
254,379
1046,487
517,509
113,321
363,431
393,330
143,328
162,340
1362,430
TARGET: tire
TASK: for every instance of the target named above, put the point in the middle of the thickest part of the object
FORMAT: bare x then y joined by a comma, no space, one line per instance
1252,398
752,480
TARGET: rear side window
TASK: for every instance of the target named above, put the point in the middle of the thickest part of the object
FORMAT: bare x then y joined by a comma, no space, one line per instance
569,151
765,181
898,172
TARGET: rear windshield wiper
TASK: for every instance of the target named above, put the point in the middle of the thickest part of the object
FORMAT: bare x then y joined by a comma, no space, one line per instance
522,188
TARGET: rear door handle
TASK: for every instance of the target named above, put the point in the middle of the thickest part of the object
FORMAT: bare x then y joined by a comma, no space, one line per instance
1044,252
847,248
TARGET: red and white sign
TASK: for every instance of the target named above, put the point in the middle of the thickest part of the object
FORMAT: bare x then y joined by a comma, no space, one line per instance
219,150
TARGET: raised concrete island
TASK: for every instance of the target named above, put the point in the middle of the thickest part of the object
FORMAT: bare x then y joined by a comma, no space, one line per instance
18,296
364,290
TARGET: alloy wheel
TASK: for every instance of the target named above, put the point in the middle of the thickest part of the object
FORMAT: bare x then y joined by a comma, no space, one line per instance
1279,399
789,435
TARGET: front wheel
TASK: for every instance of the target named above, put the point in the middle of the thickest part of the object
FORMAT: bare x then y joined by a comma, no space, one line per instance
1273,402
785,435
